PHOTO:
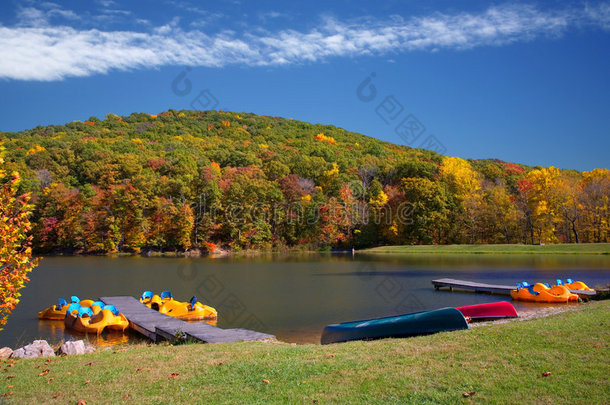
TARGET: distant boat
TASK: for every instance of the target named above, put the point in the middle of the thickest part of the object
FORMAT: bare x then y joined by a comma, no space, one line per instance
492,310
415,324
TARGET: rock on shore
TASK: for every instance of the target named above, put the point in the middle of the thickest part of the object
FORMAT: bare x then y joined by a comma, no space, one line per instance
75,347
38,348
5,353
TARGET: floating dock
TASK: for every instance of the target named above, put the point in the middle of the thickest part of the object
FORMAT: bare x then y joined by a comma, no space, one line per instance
157,326
488,288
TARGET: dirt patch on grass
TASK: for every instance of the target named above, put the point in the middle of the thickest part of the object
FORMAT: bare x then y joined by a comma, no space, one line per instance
527,315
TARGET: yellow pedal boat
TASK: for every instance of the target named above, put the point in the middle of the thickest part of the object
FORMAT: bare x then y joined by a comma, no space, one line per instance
542,293
58,312
574,285
558,291
95,319
187,311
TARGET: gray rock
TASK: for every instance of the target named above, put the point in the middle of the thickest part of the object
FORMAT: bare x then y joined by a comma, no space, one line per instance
38,348
76,347
5,352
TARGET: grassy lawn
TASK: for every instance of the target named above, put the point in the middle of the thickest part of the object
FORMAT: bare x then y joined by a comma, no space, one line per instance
581,248
501,363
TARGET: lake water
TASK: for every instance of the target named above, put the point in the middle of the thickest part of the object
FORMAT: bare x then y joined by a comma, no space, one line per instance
292,297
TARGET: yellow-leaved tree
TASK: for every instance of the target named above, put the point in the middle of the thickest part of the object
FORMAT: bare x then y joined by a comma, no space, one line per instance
462,179
464,185
594,202
15,245
544,203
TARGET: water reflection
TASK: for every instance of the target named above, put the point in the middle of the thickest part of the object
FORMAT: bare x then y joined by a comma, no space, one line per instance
58,331
291,296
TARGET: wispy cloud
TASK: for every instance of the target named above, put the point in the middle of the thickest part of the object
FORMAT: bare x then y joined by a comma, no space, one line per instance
43,52
106,3
599,14
270,15
37,17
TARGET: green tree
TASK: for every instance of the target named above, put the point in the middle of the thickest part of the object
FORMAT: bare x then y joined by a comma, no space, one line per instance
429,200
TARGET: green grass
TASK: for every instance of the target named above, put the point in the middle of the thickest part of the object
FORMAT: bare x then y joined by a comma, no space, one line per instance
568,248
502,363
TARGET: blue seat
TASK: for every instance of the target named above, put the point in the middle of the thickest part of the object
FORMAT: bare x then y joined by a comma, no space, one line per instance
192,301
72,307
569,280
62,302
99,304
525,284
112,309
519,286
559,282
547,285
82,311
74,299
146,295
531,290
166,294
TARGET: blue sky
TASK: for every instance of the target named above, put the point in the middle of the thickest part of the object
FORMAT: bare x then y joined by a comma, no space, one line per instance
526,82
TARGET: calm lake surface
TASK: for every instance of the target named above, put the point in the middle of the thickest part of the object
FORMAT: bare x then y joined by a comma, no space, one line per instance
292,297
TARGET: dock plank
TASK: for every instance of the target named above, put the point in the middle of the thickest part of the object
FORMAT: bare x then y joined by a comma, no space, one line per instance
157,326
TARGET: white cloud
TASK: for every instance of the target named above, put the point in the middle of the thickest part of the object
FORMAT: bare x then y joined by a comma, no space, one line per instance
42,52
600,14
106,3
67,14
270,15
32,17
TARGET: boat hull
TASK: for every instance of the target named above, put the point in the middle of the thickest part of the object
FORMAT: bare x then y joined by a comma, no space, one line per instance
102,320
415,324
492,310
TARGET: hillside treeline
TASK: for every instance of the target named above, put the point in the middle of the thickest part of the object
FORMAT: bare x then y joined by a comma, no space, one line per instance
185,179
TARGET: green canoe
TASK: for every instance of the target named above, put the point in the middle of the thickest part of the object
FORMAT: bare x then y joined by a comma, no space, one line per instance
418,323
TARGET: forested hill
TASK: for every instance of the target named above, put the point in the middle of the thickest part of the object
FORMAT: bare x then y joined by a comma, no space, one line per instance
191,179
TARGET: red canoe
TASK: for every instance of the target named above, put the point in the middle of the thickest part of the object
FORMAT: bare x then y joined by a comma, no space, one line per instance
493,310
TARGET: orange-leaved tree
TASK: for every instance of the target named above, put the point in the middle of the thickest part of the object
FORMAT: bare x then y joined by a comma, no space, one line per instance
15,245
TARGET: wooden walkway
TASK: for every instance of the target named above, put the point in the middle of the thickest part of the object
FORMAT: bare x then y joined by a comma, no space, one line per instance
487,288
157,326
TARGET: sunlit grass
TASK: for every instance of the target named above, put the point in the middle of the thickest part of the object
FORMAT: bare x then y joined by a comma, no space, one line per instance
502,363
581,248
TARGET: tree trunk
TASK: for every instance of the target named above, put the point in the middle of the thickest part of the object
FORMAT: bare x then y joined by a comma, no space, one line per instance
574,230
506,234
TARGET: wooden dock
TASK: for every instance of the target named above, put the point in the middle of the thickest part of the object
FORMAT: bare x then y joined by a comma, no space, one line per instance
157,326
488,288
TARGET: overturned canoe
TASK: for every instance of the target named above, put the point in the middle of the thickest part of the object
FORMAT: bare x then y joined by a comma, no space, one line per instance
492,310
418,323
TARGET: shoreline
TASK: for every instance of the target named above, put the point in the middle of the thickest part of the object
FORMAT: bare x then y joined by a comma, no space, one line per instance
601,249
504,249
541,312
545,310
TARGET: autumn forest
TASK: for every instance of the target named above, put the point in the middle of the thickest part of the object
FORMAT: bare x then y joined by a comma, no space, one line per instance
182,180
